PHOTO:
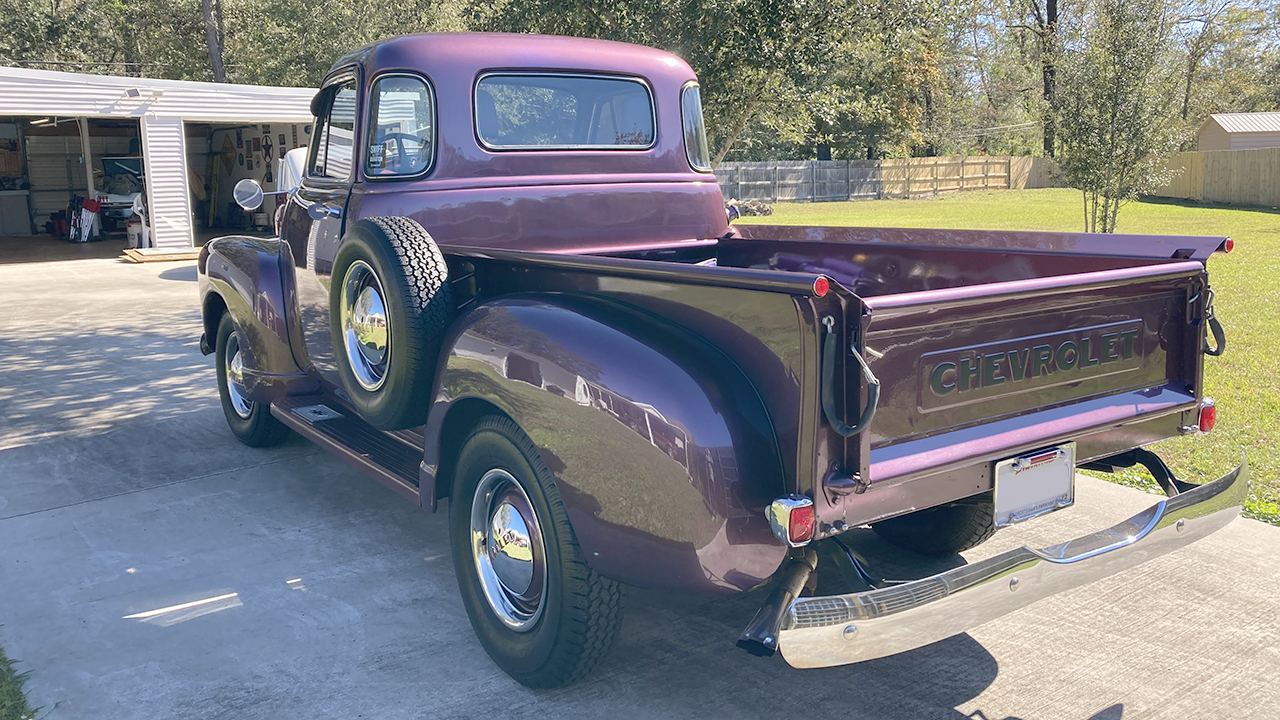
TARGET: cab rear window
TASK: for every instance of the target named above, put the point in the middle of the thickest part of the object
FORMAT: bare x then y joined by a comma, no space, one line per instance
541,111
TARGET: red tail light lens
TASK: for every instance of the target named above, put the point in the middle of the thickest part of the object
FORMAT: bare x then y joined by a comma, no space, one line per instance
1229,245
802,525
792,520
1208,415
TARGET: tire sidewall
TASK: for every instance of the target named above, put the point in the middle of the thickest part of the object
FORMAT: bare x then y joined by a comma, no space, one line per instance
247,429
517,653
241,427
403,397
358,245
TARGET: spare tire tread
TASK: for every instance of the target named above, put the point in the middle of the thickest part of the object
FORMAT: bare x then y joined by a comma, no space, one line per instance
423,285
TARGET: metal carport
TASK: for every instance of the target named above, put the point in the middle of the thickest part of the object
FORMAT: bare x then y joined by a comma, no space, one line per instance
161,108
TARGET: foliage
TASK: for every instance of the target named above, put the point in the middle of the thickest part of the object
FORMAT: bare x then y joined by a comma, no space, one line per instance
1115,106
784,79
13,703
749,56
1243,381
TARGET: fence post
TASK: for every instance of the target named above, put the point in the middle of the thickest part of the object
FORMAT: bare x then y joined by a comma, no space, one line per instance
962,159
813,182
935,177
737,171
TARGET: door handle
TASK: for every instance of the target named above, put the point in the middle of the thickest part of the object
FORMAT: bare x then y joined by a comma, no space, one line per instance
320,211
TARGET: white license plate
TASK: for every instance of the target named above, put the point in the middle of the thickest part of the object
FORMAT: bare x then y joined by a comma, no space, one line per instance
1035,483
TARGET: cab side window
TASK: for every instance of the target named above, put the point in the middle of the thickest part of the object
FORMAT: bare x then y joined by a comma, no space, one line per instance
335,136
401,127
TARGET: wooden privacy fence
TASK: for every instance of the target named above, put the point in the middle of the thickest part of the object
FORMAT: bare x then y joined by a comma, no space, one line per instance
830,180
1237,177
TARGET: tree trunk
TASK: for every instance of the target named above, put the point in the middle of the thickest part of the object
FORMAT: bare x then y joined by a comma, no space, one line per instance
213,41
748,112
1048,56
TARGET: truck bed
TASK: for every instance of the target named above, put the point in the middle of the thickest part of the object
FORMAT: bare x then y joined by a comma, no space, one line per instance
986,344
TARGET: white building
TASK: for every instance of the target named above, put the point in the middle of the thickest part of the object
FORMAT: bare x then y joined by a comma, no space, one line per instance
61,133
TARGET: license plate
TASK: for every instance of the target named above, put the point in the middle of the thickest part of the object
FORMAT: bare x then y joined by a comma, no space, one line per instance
1034,484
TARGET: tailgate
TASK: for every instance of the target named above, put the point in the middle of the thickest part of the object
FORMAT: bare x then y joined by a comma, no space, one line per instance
974,373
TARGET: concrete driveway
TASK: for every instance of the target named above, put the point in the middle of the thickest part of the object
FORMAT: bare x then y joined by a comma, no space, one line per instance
327,596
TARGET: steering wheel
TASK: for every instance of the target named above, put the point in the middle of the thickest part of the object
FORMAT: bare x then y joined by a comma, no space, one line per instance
402,155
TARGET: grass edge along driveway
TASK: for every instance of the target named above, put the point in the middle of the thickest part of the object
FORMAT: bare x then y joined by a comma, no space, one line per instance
13,702
1244,382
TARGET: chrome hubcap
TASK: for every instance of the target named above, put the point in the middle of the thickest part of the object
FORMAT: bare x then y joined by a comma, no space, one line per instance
365,330
240,401
506,543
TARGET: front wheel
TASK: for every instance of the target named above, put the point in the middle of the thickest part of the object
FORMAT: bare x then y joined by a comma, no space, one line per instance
543,615
251,422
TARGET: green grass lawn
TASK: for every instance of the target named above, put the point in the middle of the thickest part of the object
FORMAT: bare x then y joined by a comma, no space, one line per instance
1244,382
13,704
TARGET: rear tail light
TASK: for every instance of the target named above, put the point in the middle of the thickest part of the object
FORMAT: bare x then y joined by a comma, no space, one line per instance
1208,415
792,520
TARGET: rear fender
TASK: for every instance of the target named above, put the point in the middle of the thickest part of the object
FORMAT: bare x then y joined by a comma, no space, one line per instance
251,278
662,450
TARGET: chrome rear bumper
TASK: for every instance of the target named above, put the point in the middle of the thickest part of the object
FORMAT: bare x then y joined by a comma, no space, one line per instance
841,629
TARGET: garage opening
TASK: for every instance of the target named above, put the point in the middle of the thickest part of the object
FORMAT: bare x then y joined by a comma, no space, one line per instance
220,155
45,169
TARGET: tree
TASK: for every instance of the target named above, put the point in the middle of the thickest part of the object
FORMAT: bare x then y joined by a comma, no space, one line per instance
1042,21
750,56
1116,106
213,38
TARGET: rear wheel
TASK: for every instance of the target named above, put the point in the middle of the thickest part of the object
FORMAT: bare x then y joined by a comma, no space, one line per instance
543,615
943,530
251,422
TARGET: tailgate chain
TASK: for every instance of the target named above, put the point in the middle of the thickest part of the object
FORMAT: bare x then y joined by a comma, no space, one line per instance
829,347
1219,336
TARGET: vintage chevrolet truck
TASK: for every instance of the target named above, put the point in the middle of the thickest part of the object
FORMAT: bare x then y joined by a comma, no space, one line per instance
507,279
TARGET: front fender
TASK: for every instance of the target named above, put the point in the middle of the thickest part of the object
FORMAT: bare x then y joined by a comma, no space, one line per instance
250,278
662,451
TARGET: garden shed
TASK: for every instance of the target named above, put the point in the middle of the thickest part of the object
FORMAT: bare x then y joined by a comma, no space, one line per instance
1239,131
181,144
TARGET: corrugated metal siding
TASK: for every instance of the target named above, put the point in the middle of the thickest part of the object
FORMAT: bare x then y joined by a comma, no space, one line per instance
168,201
1257,122
42,92
1255,141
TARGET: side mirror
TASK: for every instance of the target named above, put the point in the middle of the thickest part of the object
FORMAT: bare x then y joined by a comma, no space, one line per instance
248,194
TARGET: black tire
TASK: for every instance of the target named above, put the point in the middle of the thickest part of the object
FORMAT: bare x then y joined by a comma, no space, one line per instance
251,423
943,530
580,611
418,305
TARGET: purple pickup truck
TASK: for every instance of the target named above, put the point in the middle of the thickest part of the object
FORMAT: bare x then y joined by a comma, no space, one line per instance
507,279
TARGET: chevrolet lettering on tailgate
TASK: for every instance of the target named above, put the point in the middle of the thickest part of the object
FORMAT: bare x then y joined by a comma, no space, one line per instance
981,372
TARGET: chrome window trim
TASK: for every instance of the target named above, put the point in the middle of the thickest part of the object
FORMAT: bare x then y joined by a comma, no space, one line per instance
683,139
475,119
435,126
339,78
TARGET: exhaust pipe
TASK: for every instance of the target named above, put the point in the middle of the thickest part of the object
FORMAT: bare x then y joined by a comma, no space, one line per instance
761,636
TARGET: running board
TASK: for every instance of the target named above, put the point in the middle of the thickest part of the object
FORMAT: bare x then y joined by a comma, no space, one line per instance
383,457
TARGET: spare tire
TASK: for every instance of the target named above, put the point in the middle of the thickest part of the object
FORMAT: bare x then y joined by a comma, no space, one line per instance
390,305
